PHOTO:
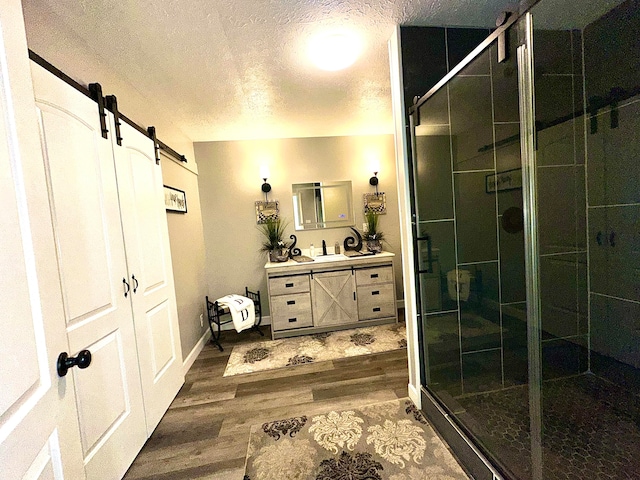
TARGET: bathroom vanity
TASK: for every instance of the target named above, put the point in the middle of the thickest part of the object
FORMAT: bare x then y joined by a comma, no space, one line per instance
333,292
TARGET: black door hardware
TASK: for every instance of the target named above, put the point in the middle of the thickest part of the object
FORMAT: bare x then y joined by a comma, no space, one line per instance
126,287
65,362
96,95
135,288
112,104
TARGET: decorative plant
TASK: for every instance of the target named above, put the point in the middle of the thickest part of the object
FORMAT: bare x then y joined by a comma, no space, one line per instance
273,231
372,232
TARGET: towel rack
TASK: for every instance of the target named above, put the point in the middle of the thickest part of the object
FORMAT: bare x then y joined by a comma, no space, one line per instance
216,313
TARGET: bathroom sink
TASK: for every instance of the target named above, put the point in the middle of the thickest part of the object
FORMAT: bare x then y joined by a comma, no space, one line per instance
332,257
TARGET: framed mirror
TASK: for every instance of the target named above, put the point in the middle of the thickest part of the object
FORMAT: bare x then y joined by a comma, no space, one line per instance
319,205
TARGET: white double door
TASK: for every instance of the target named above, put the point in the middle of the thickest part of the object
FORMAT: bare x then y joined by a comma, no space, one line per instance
66,220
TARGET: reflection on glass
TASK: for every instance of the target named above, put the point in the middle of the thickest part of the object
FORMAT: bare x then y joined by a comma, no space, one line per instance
586,394
475,218
322,205
440,336
433,192
436,255
471,122
471,248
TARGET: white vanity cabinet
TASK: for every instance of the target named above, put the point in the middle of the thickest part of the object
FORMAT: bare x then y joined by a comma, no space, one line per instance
331,293
290,302
334,298
375,291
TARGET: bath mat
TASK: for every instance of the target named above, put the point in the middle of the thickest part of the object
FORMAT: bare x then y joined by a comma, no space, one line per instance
288,352
389,440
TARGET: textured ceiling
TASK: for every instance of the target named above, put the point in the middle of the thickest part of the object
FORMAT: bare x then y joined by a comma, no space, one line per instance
236,69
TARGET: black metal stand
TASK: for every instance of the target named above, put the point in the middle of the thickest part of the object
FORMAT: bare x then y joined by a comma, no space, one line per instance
215,313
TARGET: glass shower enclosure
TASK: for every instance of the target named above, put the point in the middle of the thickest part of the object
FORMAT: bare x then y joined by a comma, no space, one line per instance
526,204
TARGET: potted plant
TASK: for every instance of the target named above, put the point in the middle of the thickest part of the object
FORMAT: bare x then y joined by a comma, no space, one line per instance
273,243
372,235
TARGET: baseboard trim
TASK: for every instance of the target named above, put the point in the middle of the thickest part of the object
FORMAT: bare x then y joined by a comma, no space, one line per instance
414,395
188,362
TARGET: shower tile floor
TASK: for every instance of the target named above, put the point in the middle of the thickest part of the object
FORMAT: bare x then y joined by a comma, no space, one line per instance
591,428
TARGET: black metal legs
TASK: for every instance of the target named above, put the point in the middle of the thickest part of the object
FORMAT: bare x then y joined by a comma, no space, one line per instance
256,327
215,338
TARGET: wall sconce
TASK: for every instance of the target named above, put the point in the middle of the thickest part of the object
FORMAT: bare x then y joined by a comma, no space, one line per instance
374,181
266,187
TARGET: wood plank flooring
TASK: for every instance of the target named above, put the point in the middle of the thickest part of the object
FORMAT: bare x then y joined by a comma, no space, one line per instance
205,432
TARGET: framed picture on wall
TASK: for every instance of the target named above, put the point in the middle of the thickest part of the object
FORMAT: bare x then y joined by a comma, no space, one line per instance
266,211
175,200
501,181
375,202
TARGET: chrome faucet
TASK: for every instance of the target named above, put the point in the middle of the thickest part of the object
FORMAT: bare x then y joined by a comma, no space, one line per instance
324,247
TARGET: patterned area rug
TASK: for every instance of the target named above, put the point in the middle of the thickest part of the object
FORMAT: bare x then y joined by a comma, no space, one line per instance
319,347
389,440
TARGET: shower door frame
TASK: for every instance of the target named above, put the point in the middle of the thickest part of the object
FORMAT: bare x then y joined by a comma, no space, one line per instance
478,460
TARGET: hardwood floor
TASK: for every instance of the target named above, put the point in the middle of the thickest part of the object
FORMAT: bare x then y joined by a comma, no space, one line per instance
205,432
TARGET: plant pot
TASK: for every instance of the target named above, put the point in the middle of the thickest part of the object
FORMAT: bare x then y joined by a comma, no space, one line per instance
279,255
374,246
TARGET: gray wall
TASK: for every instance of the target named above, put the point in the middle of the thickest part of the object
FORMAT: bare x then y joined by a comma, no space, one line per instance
230,183
187,254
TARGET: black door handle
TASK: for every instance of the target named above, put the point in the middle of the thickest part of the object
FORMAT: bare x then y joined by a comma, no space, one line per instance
65,362
135,288
126,287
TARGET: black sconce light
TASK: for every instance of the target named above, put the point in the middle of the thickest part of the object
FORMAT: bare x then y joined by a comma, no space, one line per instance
266,187
374,181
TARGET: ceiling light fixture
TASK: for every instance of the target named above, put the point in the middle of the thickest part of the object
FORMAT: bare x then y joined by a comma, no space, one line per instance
334,51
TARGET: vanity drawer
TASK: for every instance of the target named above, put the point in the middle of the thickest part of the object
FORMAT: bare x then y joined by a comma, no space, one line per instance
374,276
291,311
376,301
286,285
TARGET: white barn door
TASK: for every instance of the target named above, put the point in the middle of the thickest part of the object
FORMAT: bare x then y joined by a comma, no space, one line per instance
38,419
149,260
93,274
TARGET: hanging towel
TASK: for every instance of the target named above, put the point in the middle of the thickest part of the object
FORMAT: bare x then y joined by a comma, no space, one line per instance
242,310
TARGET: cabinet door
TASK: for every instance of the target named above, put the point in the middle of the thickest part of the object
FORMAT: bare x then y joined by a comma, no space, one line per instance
291,311
334,298
150,272
93,275
376,301
38,419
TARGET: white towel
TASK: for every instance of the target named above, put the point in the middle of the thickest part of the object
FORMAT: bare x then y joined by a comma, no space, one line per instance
242,310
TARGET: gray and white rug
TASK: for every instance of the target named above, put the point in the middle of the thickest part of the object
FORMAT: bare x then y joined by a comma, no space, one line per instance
389,440
319,347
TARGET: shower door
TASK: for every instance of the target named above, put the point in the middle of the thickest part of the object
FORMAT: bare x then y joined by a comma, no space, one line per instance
586,80
469,239
526,203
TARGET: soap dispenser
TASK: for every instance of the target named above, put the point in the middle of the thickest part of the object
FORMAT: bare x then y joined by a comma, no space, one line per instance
336,248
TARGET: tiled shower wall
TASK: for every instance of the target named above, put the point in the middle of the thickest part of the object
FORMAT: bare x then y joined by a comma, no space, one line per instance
468,133
612,69
560,160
